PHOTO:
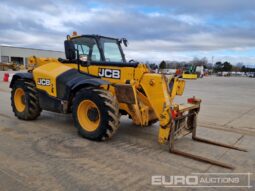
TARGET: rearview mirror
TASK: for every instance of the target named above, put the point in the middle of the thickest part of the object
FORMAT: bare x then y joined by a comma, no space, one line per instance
124,41
70,50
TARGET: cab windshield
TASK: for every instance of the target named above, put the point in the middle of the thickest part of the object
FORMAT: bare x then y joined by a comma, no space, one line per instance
111,49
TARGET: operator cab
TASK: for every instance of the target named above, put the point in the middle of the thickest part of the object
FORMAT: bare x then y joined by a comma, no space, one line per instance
96,50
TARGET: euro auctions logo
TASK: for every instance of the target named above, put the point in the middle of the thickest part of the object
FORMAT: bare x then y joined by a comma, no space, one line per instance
234,180
174,180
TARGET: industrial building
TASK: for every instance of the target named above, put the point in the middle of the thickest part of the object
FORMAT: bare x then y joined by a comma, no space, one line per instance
19,55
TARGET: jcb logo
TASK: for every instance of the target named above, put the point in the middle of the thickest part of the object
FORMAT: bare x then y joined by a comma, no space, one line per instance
43,82
109,73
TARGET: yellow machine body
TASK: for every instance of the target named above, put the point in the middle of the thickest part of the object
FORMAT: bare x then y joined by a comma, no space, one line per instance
49,72
145,98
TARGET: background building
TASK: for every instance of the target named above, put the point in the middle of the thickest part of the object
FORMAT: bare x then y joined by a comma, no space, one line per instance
19,55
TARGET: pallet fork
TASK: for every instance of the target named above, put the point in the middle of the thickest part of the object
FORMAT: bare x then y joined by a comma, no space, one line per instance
191,127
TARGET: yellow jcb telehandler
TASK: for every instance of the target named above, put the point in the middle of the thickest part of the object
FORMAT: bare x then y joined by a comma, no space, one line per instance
96,84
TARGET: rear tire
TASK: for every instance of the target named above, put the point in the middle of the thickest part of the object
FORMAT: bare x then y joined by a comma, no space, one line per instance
95,113
24,100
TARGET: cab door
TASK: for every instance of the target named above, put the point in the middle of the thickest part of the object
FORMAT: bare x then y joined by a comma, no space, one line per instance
105,59
108,64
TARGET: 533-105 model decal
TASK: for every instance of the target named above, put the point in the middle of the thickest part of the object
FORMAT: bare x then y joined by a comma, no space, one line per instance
109,73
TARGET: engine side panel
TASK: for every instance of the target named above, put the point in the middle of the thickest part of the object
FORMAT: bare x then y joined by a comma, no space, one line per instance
45,77
58,80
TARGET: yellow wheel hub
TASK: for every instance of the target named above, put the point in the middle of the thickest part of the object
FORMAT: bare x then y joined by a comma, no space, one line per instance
19,99
88,115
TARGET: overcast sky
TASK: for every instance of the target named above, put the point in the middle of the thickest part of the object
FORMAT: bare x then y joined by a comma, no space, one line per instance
156,30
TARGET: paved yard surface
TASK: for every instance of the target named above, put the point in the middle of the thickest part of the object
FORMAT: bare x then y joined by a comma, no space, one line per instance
47,154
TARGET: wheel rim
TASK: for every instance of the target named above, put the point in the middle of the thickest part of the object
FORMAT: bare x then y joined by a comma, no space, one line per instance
88,115
19,100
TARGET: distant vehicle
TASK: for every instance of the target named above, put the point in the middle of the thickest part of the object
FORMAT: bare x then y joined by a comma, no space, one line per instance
10,66
189,72
167,71
200,71
238,74
225,74
251,74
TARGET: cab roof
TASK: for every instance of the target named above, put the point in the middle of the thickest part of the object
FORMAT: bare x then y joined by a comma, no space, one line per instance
92,36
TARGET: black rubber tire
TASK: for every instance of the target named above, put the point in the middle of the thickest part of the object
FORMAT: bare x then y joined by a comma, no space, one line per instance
108,108
32,107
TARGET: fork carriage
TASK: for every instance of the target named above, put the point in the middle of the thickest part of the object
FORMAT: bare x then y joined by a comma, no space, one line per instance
186,123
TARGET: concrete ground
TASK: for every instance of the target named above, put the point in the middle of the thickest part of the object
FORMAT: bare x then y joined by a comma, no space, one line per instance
47,154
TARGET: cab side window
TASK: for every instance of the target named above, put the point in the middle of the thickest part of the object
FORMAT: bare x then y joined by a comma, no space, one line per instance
95,56
83,49
87,48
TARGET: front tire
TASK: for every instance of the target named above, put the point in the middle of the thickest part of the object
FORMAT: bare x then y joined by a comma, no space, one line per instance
95,113
24,100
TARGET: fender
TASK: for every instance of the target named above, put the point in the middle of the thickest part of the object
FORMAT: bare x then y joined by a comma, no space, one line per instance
89,82
25,76
72,80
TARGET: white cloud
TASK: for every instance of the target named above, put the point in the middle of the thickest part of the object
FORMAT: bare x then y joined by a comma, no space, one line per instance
189,19
179,32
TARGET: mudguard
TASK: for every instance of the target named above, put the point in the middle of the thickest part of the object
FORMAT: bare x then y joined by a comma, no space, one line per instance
89,82
26,76
73,80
